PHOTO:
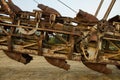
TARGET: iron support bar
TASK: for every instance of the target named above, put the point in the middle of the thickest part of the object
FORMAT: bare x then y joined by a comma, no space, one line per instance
99,7
109,9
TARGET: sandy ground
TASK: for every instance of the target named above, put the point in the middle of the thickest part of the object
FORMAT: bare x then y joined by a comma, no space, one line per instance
39,69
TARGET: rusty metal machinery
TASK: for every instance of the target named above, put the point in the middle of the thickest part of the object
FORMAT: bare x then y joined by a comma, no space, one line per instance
46,33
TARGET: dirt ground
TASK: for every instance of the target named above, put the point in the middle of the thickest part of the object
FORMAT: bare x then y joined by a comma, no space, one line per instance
39,69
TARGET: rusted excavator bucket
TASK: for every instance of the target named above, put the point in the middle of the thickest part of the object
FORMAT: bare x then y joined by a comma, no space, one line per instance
85,17
13,7
23,58
61,63
48,10
102,68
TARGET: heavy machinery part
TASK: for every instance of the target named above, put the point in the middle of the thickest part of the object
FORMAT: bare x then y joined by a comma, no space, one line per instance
55,37
102,68
14,7
23,58
91,52
85,17
109,9
61,63
48,10
90,45
7,8
114,19
23,31
99,7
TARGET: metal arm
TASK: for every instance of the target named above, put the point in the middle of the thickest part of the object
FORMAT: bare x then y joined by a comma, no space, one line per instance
99,7
109,9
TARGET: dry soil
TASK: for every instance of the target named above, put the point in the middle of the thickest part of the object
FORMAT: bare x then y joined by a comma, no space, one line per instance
39,69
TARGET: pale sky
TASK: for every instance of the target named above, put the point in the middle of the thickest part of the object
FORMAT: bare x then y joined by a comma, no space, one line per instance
89,6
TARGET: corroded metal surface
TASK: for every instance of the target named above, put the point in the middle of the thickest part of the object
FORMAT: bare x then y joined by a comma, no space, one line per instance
47,33
98,67
61,63
85,17
23,58
48,10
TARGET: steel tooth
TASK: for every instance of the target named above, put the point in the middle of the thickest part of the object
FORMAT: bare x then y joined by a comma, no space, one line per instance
102,68
61,63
